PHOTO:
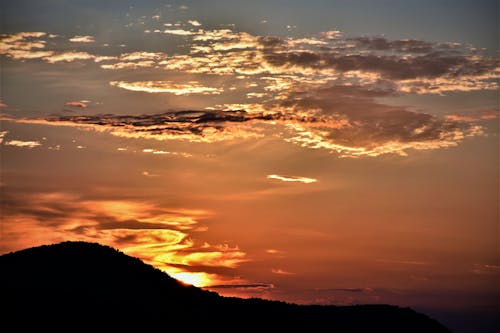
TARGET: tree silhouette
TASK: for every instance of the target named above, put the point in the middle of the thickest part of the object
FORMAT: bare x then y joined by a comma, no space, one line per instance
78,286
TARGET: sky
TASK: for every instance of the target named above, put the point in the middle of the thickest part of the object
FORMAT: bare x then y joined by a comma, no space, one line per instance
316,152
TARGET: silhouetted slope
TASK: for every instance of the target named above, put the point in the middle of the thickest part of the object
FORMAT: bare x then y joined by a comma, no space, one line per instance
77,286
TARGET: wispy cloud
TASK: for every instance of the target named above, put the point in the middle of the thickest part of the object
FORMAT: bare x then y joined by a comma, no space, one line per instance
82,39
158,235
22,144
194,23
179,32
68,57
189,88
78,104
2,135
164,152
304,180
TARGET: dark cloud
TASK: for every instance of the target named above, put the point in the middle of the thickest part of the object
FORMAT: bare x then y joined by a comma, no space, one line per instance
404,45
430,65
400,59
346,119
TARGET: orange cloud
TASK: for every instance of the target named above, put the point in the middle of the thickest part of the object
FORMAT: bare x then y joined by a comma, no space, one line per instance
474,116
304,180
158,235
192,87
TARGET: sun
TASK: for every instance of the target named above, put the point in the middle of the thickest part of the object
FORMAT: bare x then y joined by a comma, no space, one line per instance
197,279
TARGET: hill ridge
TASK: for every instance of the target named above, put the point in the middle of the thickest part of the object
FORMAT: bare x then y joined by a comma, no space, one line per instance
55,287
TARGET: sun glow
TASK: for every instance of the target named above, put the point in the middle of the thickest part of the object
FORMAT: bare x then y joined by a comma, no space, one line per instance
197,279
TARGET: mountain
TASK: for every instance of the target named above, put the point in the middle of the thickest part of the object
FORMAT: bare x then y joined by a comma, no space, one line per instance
78,286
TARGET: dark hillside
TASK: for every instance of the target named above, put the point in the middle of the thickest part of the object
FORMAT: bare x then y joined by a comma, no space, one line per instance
77,286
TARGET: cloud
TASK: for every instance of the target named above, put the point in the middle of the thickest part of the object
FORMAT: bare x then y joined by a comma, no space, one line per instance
405,66
2,135
194,126
315,90
82,39
164,152
332,118
304,180
68,57
384,129
474,116
178,32
129,65
22,54
158,235
22,144
24,45
194,23
78,104
189,88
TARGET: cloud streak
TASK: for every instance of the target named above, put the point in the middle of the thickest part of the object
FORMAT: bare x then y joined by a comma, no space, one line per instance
22,144
82,39
189,88
294,179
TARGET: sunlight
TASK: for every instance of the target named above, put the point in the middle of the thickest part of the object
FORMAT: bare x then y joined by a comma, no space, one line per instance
197,279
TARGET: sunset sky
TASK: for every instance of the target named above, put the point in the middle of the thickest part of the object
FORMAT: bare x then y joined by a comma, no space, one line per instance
327,152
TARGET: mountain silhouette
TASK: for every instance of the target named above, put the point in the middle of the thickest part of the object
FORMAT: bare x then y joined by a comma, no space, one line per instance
78,286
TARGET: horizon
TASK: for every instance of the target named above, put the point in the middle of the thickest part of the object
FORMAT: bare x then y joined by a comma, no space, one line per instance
319,152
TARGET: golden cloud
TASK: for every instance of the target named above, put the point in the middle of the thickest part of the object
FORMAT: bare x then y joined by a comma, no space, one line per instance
179,32
68,57
304,180
82,39
192,87
157,235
